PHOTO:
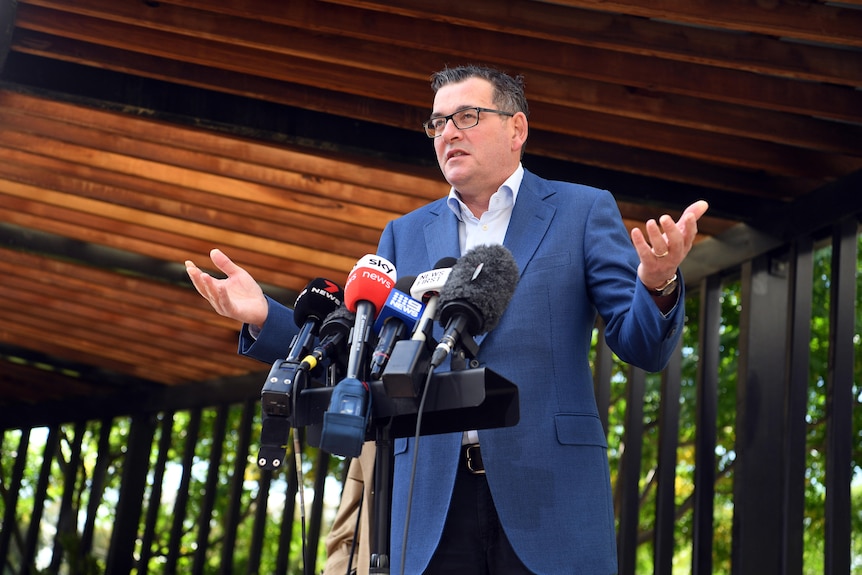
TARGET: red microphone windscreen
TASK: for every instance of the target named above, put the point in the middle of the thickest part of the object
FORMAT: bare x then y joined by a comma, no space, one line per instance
371,280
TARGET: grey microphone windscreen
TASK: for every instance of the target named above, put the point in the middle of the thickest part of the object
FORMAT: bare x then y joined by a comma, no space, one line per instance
484,278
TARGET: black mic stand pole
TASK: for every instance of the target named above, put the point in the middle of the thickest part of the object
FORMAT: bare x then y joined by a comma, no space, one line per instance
384,464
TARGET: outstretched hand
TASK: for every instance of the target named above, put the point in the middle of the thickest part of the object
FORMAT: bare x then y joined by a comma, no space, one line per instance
238,296
666,244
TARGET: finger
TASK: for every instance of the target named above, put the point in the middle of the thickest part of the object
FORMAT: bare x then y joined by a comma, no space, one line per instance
641,246
697,209
657,238
223,263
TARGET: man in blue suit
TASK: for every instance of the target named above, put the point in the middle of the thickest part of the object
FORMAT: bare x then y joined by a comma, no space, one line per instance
535,497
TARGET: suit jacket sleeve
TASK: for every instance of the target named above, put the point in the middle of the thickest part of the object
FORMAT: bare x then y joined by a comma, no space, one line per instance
273,341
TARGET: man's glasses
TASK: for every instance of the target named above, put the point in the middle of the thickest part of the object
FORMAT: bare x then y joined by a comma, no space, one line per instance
463,119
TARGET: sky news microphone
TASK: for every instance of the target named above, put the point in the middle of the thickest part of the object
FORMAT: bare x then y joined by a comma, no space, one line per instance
426,289
317,300
395,322
346,420
475,296
368,285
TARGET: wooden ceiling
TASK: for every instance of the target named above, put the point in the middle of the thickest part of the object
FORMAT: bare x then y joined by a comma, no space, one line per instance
136,135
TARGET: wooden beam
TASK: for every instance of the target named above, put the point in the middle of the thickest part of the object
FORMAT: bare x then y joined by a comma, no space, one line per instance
298,55
813,22
599,153
433,30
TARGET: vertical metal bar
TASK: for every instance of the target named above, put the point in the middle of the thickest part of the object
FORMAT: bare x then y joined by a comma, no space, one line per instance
67,520
630,469
705,434
839,391
668,442
28,555
259,527
234,511
316,520
129,505
182,499
210,490
758,475
155,500
796,404
10,516
97,487
8,8
285,535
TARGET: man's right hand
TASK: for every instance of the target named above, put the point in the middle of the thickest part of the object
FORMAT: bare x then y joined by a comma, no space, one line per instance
238,296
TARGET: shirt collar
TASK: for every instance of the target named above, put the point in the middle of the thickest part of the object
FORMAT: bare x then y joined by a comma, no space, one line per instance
509,188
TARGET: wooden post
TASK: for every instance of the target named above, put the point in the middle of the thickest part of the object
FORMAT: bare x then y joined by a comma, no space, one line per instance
7,26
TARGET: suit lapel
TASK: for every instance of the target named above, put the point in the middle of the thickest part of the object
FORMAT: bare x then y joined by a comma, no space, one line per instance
531,217
441,234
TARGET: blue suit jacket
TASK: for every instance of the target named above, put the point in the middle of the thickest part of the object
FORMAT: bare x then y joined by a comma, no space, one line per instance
549,474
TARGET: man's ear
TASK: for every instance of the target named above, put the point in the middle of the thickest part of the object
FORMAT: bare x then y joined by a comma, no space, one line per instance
520,131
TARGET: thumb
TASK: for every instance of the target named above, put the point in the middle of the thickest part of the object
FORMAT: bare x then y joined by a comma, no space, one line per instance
224,263
697,209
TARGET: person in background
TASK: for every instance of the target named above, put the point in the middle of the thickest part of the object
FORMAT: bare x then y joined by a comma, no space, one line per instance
348,546
534,497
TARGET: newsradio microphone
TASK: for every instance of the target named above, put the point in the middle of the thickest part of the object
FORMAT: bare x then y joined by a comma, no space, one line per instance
319,298
395,322
365,292
475,296
426,289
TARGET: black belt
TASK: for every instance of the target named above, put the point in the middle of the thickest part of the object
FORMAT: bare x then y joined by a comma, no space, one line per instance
472,458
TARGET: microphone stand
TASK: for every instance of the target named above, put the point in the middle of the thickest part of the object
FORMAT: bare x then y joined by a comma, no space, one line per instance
466,397
462,356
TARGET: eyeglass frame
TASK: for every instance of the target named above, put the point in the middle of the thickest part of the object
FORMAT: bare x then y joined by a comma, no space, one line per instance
479,109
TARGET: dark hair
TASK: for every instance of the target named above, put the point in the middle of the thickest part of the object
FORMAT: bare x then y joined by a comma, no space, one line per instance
508,91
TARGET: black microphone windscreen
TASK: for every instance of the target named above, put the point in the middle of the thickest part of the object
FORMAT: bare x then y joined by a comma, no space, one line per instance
339,320
485,277
320,297
404,283
446,262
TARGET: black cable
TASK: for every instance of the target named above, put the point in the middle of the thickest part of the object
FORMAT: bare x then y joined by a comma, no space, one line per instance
413,468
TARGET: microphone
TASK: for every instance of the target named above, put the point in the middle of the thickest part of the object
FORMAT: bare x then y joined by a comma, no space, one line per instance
394,322
346,420
317,300
426,289
475,296
365,292
333,333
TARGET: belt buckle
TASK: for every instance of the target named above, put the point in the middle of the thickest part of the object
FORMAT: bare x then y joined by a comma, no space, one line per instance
469,458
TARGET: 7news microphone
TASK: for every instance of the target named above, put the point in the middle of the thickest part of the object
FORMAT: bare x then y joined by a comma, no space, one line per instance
319,298
365,293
